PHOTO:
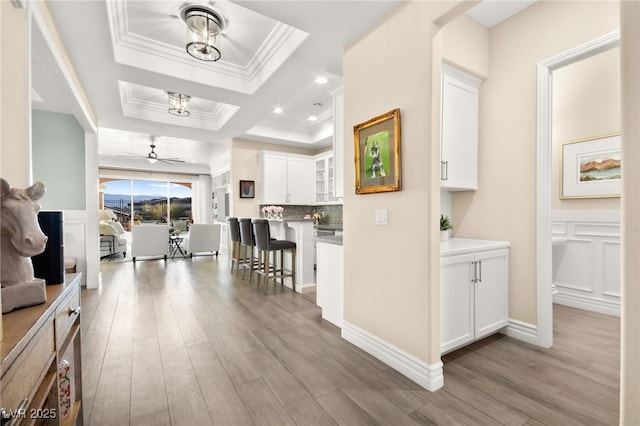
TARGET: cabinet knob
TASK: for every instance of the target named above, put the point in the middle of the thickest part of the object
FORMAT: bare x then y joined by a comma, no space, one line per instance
75,311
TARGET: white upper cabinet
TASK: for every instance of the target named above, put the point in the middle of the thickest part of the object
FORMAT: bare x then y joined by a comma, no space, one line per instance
298,180
285,179
459,130
338,142
324,179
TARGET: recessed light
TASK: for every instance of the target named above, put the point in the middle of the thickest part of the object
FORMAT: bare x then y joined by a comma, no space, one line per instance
277,110
313,118
321,80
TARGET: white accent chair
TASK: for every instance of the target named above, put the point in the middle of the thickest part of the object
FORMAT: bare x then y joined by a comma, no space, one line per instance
203,237
113,238
149,240
107,214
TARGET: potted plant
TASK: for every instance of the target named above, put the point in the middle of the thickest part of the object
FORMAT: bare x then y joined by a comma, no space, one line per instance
445,226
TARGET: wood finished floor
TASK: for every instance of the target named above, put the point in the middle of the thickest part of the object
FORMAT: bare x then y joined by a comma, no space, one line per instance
184,343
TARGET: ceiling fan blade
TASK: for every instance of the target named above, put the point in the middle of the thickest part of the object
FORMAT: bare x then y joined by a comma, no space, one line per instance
166,161
131,154
175,160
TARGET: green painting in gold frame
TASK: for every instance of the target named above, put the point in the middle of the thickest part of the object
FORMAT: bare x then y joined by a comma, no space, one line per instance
377,154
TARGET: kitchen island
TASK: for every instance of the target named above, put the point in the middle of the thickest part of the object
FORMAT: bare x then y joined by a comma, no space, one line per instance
329,277
301,232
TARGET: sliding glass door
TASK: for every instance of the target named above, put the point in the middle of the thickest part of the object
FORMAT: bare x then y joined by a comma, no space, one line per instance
146,201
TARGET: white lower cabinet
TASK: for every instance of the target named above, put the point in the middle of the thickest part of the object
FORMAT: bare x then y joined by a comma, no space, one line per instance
329,281
474,296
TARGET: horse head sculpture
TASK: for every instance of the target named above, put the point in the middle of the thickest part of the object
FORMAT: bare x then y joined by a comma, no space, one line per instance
20,233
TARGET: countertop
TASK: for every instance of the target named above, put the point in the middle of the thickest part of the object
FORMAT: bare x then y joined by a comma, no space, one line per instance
328,227
457,246
328,239
290,219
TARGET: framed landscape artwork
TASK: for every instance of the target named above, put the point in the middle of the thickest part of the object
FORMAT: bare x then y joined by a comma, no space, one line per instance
590,168
377,154
247,189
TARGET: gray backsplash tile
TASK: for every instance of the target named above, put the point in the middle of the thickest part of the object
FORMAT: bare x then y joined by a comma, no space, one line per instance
331,214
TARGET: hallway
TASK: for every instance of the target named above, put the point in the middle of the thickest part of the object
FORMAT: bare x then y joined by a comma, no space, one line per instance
184,343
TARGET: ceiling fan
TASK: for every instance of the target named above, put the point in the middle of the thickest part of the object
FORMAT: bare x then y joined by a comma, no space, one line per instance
152,156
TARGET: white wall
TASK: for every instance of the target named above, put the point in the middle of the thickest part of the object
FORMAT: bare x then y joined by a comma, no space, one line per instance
504,207
630,342
586,104
391,273
15,95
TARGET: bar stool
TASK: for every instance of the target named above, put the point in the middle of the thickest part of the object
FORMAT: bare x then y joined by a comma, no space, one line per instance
266,245
234,232
247,242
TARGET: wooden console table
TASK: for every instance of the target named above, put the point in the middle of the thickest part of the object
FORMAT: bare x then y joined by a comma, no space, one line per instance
36,341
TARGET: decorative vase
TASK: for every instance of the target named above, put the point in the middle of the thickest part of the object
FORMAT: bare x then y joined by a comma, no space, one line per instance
64,383
444,235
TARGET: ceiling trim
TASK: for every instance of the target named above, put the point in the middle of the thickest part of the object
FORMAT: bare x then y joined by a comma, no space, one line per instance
272,131
152,110
46,41
138,51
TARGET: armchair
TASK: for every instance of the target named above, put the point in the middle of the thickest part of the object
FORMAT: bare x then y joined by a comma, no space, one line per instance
203,237
149,240
113,239
106,214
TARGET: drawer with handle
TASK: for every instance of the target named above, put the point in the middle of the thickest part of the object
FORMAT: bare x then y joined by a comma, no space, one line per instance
21,379
66,315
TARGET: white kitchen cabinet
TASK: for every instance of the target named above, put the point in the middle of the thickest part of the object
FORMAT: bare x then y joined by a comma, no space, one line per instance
338,142
285,179
474,296
329,281
459,130
324,179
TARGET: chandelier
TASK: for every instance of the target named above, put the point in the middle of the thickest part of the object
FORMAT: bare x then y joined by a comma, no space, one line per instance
179,104
203,27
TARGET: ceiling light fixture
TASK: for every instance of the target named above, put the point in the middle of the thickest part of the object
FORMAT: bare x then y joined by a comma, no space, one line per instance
321,80
277,110
203,27
179,104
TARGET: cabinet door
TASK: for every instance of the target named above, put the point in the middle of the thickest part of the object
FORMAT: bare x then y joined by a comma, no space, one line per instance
329,282
274,179
331,179
321,181
491,292
338,143
456,302
459,127
299,181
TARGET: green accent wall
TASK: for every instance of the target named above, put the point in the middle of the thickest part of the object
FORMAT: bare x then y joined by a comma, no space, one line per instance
58,160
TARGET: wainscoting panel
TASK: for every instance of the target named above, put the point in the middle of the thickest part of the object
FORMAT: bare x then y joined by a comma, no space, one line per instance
75,236
611,269
566,257
586,266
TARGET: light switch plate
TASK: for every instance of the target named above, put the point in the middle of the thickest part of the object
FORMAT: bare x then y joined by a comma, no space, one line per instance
381,217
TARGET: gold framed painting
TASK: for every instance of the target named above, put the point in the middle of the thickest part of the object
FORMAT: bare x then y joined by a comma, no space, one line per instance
377,154
590,168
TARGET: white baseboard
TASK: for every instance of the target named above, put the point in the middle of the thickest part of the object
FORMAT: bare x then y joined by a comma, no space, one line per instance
590,304
429,376
522,331
306,288
301,287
